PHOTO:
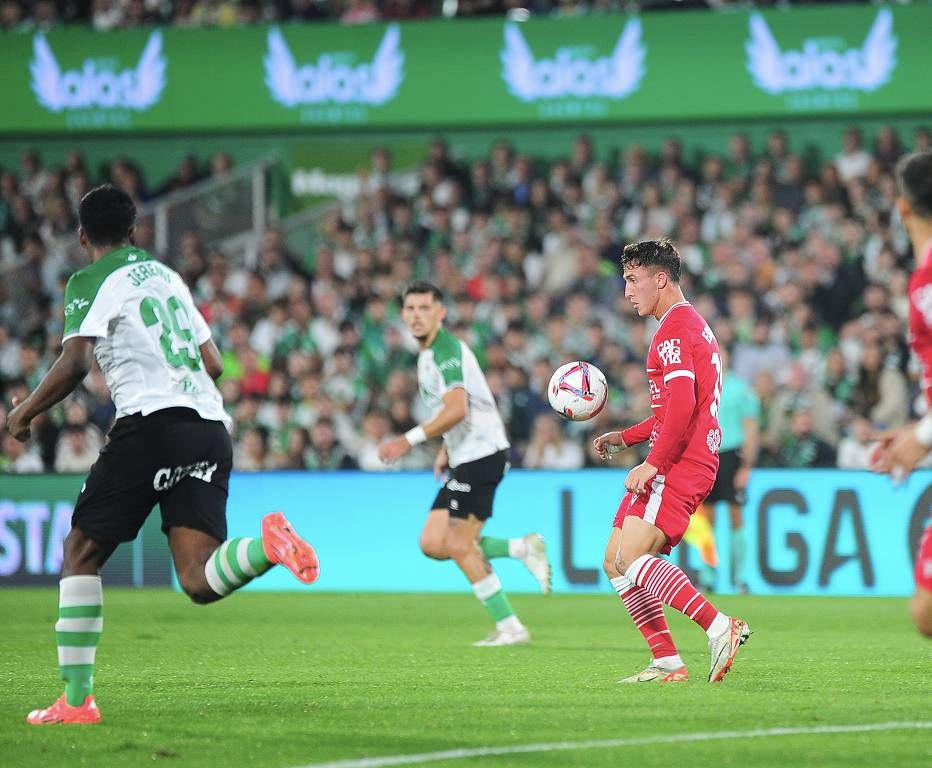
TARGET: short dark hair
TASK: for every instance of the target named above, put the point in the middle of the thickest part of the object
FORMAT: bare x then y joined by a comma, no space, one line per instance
422,286
914,178
107,214
653,253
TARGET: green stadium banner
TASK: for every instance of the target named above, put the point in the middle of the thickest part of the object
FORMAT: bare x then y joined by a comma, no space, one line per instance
35,517
608,68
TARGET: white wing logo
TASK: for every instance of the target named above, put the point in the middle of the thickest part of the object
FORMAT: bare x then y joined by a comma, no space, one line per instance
764,62
627,62
387,68
611,77
280,70
138,89
879,53
46,75
518,65
863,69
150,75
375,82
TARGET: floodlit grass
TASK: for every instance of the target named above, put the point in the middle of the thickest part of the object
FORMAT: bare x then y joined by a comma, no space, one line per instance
284,680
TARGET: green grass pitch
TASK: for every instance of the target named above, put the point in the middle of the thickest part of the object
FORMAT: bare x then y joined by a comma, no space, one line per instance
286,680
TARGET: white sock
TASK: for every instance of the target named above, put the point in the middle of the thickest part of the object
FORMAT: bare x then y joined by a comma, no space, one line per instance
485,588
719,624
669,663
509,624
621,584
517,548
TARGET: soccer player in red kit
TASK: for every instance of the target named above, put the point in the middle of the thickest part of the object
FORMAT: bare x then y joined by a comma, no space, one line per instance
901,449
684,376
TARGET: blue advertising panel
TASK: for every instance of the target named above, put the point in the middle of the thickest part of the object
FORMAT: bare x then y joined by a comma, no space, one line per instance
811,532
818,532
35,518
827,532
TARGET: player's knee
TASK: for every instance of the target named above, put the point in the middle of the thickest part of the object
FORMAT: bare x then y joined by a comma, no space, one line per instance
459,547
195,586
612,568
921,611
433,546
81,555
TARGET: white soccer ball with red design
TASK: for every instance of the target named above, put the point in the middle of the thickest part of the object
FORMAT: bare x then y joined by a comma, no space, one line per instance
577,391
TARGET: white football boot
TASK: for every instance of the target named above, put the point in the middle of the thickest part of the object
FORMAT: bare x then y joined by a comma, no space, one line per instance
654,674
505,637
724,647
535,558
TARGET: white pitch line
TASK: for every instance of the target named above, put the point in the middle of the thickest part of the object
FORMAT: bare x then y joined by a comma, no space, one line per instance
562,746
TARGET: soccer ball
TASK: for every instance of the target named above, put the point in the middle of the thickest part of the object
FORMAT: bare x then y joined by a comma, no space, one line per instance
577,391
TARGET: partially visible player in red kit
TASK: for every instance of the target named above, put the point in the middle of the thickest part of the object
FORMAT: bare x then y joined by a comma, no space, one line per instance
684,375
901,449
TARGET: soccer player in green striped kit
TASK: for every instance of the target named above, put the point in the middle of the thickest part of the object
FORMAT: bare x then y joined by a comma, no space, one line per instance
475,452
169,445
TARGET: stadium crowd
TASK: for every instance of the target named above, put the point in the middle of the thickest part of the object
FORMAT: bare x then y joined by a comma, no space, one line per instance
799,263
114,14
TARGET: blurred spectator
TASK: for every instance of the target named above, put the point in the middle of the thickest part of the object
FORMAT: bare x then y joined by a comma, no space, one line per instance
799,268
376,428
800,393
359,12
856,447
853,161
801,448
548,449
19,458
250,451
880,393
325,452
76,450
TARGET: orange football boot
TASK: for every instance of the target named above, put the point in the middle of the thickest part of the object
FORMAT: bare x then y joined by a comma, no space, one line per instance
60,712
283,546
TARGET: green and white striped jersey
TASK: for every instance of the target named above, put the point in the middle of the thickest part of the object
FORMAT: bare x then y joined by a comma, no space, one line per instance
448,363
148,334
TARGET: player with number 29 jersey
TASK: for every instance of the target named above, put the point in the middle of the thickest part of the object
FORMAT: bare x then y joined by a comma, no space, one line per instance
169,446
148,334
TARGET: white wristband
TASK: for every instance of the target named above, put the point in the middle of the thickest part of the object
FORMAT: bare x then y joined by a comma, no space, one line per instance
416,436
924,431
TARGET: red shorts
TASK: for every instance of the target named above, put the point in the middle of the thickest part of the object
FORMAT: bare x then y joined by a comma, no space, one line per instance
924,561
668,502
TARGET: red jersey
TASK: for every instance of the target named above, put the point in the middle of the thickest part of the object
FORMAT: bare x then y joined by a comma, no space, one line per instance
684,372
920,318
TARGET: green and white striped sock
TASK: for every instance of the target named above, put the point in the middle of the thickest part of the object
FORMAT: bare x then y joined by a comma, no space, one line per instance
77,633
234,563
492,547
490,594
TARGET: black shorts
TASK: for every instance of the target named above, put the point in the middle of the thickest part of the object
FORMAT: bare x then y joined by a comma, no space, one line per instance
471,487
173,458
729,462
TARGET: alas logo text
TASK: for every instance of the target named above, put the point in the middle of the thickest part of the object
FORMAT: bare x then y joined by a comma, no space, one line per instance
569,75
94,86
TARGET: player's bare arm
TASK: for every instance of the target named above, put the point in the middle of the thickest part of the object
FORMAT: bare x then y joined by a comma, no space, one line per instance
69,370
441,463
455,408
213,362
903,448
638,478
